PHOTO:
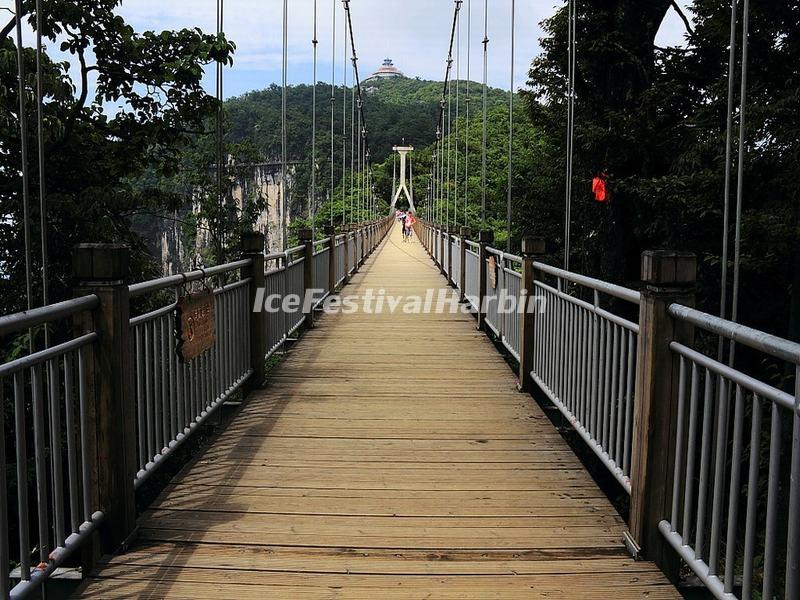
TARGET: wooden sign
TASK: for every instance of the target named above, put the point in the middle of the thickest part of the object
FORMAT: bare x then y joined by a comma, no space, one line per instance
195,325
493,272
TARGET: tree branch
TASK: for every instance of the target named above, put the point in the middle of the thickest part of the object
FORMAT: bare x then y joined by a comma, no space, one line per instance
9,27
683,16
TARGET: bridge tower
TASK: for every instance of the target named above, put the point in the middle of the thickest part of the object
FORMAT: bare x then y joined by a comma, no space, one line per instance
403,151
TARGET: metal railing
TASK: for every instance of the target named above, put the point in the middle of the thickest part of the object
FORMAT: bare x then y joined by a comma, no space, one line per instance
455,249
584,360
68,404
472,267
46,502
730,480
341,255
730,502
501,317
172,397
322,267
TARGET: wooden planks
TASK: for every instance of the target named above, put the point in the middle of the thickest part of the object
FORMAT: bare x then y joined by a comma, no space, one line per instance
389,457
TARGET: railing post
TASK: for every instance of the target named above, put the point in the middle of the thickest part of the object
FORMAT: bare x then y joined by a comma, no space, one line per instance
330,231
307,240
667,278
466,232
532,248
252,244
449,255
364,243
101,269
346,231
440,252
485,238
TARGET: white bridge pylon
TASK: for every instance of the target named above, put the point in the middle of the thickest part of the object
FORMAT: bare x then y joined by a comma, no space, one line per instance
403,188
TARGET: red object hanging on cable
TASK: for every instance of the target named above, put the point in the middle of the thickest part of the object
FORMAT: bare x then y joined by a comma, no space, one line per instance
600,188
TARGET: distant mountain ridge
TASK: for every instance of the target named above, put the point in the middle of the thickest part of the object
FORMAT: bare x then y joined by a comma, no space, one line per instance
396,109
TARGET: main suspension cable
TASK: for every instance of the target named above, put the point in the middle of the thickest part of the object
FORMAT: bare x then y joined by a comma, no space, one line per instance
443,123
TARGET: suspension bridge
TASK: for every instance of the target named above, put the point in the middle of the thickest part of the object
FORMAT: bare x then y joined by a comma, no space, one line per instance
583,444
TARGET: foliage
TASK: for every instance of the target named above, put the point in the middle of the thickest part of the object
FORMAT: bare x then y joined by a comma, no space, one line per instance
656,122
395,110
98,164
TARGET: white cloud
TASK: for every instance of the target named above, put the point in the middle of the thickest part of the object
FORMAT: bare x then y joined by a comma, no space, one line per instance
414,33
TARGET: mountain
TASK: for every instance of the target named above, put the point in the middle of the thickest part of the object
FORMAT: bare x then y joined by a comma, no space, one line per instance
395,109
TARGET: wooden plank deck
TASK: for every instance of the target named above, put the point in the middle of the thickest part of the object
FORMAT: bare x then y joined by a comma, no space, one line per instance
390,457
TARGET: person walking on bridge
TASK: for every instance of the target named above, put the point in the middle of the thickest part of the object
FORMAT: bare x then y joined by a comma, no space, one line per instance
407,225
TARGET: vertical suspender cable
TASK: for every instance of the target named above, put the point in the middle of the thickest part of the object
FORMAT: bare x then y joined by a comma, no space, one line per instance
737,244
723,300
313,199
449,140
510,129
220,152
485,107
359,169
466,133
344,121
352,144
411,175
333,104
23,138
284,173
42,188
456,186
571,43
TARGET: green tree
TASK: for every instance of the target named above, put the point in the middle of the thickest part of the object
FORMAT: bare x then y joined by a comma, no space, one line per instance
95,162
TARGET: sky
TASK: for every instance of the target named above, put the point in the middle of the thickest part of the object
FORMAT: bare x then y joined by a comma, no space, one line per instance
413,33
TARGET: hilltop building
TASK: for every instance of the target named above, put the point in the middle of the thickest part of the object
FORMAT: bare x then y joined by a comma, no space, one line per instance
387,71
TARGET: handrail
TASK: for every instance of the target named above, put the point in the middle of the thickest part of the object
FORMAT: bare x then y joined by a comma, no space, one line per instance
155,285
599,285
753,338
47,314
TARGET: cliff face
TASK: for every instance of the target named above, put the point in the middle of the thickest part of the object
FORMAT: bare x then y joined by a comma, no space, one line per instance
263,182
